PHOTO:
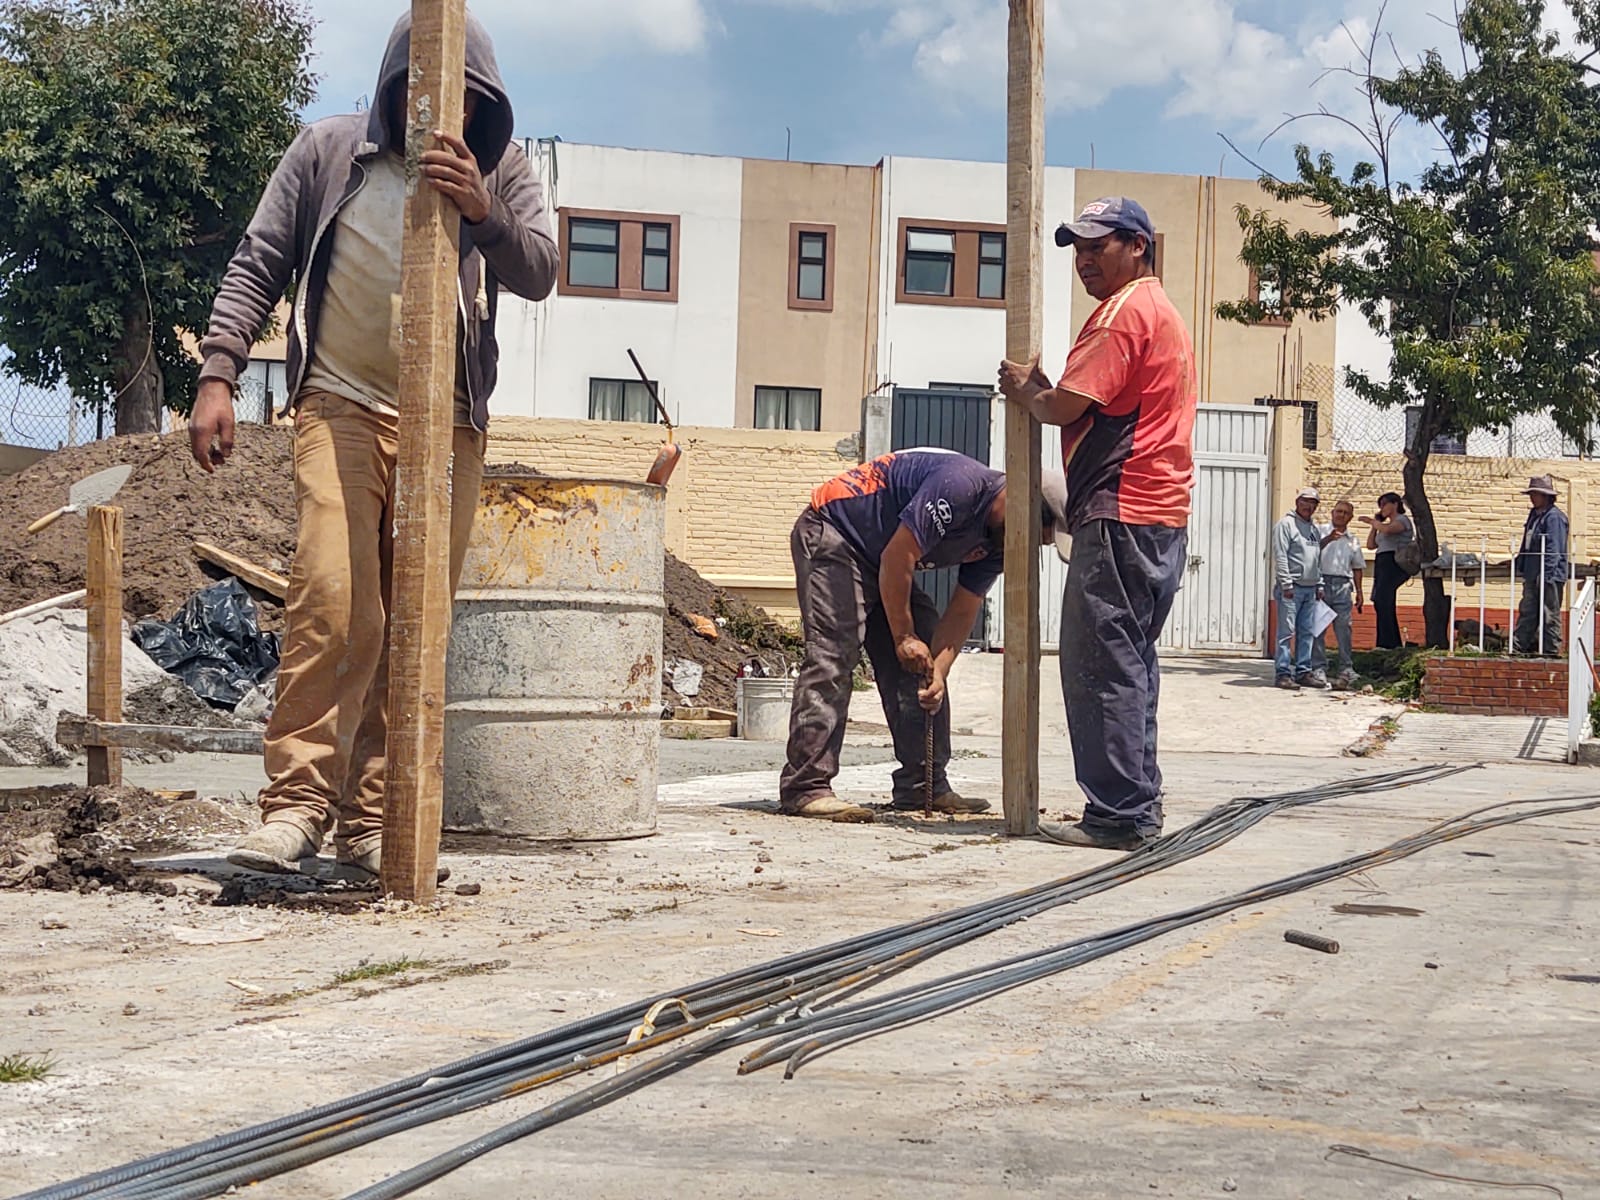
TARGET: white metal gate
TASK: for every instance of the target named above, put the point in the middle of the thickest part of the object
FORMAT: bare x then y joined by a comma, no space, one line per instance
1221,607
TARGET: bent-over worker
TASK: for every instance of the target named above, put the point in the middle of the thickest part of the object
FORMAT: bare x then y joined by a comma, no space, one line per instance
331,219
856,548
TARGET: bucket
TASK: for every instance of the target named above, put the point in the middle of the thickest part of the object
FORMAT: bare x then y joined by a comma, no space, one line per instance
553,685
763,708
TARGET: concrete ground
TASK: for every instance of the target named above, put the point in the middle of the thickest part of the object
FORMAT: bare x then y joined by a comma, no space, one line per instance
1217,1060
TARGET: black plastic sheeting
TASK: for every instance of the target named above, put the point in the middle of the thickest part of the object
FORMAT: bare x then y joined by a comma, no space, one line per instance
214,644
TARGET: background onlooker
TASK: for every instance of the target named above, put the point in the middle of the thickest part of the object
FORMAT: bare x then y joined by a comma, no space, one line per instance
1297,573
1343,564
1543,567
1390,530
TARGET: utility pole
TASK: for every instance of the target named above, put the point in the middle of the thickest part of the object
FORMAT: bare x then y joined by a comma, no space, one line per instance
419,616
1024,335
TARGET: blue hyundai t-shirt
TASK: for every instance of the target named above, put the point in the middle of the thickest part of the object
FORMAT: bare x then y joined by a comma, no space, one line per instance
943,497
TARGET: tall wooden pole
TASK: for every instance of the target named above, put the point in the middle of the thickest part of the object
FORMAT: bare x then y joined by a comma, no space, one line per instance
103,582
419,612
1024,333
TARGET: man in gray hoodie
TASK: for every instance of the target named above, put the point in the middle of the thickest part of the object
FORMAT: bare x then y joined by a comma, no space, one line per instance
330,221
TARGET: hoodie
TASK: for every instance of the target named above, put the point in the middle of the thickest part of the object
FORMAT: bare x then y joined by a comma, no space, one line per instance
290,235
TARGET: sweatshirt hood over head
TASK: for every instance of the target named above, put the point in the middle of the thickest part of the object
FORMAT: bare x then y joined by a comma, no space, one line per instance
490,130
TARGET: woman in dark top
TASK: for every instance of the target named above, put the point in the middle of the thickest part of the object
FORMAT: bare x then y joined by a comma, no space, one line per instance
1386,533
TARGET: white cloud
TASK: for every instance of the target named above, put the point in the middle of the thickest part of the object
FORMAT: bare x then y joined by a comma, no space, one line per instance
1236,62
350,34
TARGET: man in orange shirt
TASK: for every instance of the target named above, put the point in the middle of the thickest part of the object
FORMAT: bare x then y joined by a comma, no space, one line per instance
1126,406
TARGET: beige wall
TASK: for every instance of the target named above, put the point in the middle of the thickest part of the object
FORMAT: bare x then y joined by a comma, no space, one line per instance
730,503
1200,267
1473,499
1294,361
783,347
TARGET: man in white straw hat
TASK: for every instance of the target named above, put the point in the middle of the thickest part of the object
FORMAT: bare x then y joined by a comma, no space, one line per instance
1543,567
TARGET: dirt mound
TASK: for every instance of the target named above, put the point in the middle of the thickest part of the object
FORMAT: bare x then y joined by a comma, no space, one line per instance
247,507
72,839
168,503
744,633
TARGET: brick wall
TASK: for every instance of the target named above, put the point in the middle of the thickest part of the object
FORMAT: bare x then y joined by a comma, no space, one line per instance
1503,687
730,503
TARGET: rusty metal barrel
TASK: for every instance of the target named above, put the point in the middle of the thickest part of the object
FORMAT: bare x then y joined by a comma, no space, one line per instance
553,689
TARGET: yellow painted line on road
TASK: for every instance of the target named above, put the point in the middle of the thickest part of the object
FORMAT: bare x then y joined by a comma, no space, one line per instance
1367,1139
1128,988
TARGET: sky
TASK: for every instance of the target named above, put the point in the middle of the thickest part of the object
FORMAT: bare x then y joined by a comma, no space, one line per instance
1131,85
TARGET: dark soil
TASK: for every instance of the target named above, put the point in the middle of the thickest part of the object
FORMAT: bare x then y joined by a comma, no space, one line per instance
746,634
96,829
168,503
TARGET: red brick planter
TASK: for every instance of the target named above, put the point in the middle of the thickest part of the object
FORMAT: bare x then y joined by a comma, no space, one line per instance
1501,687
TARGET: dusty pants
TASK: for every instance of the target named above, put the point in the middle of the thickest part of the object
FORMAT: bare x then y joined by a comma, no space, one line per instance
840,615
324,752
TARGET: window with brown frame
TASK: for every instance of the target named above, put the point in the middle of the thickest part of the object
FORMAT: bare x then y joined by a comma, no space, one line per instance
1266,289
619,255
788,408
811,267
951,262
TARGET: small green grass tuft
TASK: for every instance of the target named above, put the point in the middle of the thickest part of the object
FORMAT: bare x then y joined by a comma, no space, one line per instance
1395,674
25,1068
380,970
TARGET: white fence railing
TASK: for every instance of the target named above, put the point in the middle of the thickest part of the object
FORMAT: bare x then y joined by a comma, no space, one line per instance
1580,667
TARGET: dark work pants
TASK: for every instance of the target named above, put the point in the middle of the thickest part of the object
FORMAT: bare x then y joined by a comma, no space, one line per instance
840,615
1526,638
1120,587
1387,577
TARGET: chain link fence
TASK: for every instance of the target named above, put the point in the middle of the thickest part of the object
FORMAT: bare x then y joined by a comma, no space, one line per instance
46,418
1359,425
53,419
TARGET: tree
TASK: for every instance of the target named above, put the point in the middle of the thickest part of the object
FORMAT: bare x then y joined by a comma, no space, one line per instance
135,139
1480,272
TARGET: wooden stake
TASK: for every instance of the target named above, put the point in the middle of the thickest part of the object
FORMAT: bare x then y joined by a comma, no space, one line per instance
243,569
1024,334
419,607
104,579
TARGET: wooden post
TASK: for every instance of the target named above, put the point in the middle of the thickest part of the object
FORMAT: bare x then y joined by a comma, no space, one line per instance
1024,336
104,605
419,607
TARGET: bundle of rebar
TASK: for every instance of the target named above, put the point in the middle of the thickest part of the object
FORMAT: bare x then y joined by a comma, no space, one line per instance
809,996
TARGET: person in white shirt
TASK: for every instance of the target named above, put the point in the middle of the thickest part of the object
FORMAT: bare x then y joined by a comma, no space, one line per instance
1343,564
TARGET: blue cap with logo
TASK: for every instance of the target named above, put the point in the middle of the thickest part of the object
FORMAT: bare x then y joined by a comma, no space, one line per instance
1108,215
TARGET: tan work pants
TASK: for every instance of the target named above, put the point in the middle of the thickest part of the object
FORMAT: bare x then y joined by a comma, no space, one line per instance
325,742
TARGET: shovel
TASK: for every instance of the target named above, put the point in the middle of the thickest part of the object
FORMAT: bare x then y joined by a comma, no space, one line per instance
667,460
86,493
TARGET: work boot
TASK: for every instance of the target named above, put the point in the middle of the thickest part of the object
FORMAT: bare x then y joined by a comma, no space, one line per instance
1316,679
275,849
828,807
946,802
1096,836
1345,681
1287,683
360,868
